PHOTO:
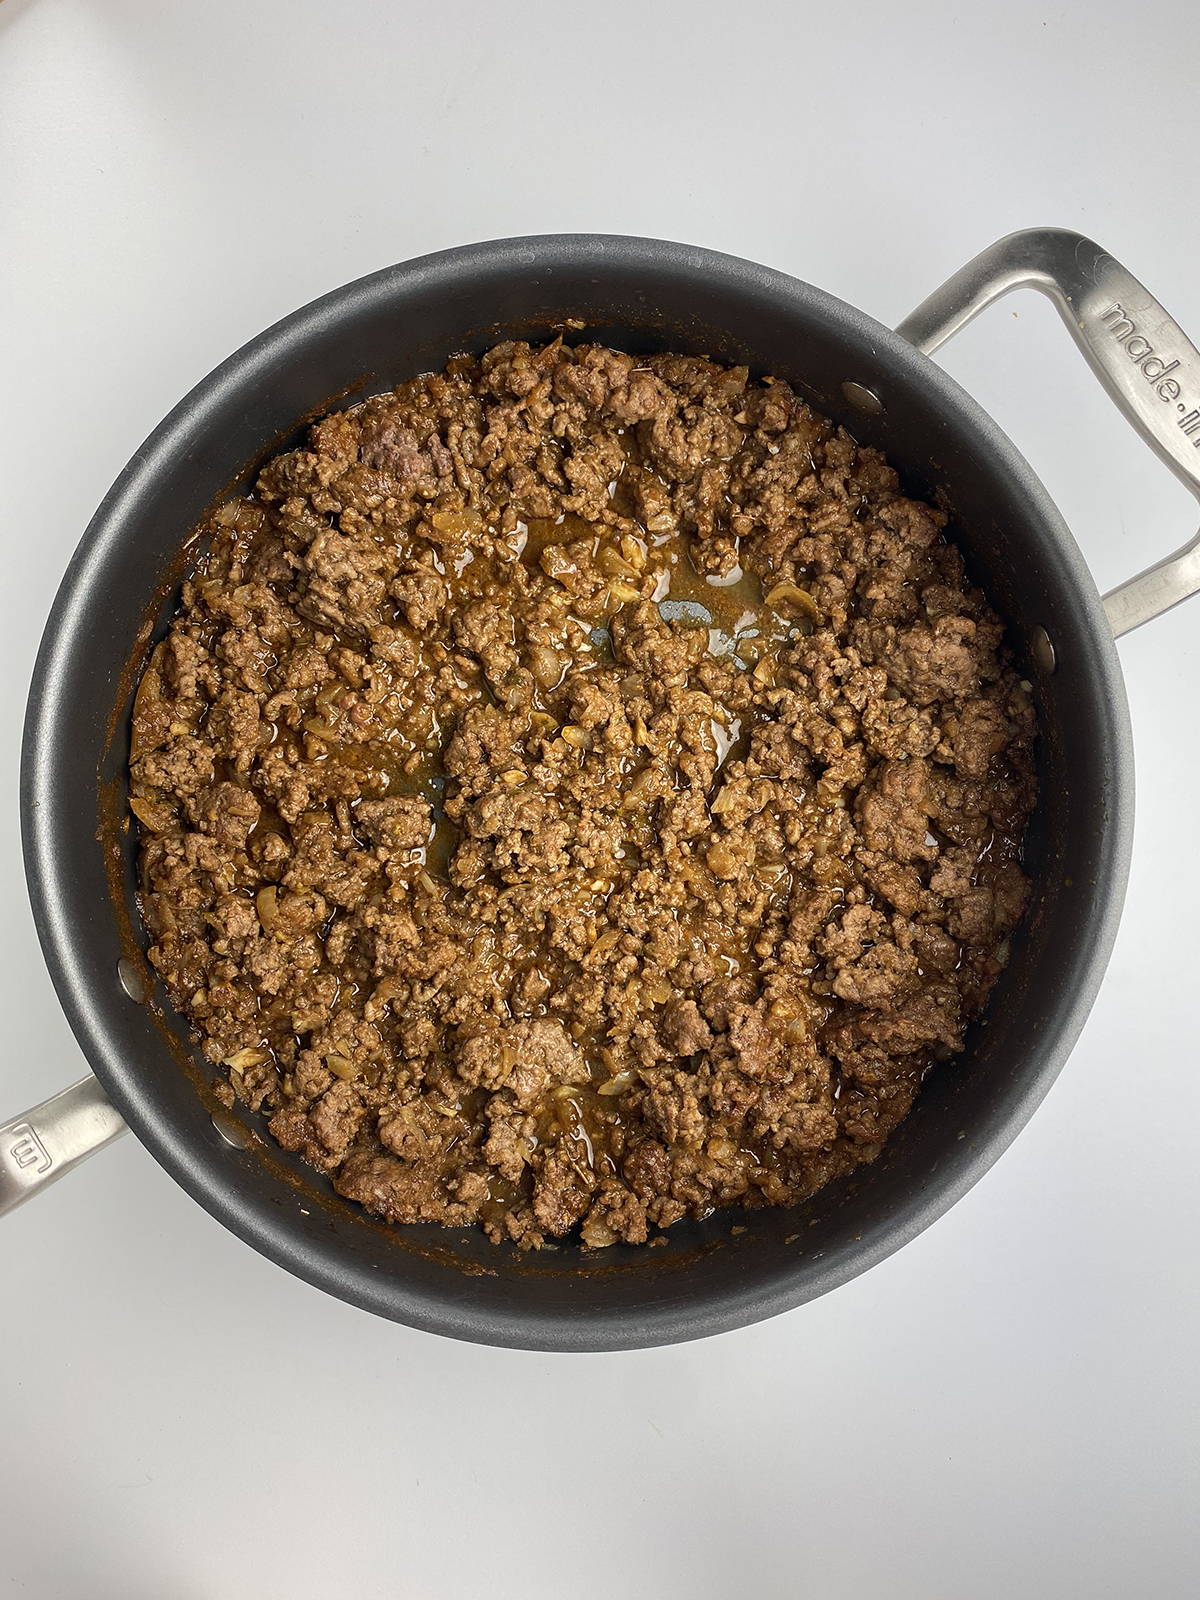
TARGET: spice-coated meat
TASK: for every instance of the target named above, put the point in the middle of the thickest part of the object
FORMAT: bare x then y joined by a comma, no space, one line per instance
580,791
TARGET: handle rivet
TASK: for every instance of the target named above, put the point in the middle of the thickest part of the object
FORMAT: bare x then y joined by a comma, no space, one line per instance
131,980
1043,650
863,399
232,1132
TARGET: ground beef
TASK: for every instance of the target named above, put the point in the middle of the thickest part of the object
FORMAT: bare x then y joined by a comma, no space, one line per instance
578,792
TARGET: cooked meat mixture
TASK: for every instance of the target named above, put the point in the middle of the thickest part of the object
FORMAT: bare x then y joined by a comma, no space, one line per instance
580,791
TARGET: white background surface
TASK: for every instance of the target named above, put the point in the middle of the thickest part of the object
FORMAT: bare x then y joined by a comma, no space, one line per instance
1007,1407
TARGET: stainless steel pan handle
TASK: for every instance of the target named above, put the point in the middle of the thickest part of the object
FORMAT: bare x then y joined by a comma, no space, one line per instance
1140,354
48,1141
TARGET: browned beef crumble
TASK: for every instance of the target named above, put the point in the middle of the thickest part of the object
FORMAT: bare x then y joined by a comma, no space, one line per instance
580,789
